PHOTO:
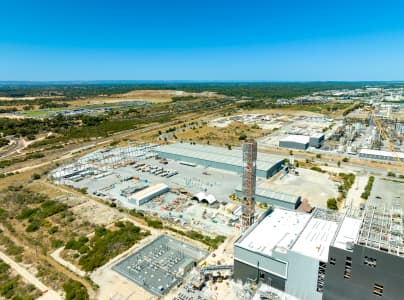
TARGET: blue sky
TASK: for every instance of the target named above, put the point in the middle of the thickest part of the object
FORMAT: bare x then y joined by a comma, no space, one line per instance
265,40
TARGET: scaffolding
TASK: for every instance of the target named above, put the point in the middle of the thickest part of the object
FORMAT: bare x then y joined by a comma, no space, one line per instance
249,182
382,229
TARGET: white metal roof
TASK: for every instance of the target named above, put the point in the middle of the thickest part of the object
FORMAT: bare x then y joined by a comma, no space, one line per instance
277,231
302,139
381,153
315,239
159,187
202,196
218,154
317,135
348,232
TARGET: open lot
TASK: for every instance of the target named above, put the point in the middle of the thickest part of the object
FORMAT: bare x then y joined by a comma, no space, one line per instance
314,186
387,191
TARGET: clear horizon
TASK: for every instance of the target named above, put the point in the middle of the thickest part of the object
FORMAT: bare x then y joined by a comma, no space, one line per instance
209,41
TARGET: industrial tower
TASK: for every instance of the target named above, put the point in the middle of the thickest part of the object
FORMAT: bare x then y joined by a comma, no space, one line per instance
249,181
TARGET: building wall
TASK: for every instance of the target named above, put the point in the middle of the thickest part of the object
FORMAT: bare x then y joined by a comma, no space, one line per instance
293,145
246,273
302,277
294,273
388,272
273,170
381,157
316,141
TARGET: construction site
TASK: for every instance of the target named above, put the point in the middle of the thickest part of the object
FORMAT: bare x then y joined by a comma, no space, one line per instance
221,191
171,182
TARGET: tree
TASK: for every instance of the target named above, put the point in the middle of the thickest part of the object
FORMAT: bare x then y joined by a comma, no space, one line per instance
242,137
332,203
35,176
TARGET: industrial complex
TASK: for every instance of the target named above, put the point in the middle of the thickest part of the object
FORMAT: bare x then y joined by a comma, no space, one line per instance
305,254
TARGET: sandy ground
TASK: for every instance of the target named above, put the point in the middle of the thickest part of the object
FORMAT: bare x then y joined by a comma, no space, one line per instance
311,185
154,96
27,98
48,295
97,213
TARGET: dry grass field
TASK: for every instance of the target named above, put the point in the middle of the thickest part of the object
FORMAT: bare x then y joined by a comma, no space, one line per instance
229,135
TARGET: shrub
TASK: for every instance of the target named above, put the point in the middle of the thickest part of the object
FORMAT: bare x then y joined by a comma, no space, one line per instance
368,188
35,176
75,290
332,203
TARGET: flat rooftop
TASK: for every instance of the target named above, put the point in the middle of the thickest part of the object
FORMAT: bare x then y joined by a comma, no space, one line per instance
284,230
218,154
348,232
276,232
316,238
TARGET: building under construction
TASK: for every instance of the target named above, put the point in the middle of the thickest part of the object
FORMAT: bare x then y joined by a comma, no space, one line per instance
326,254
249,182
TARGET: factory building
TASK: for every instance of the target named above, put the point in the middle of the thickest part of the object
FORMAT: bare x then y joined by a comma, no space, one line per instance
316,140
302,142
298,142
324,255
380,155
219,158
273,198
148,194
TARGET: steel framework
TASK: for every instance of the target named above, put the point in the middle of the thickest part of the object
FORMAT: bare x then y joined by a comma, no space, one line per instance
249,182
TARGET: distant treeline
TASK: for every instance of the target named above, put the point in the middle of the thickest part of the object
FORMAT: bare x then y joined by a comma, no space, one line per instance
71,91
